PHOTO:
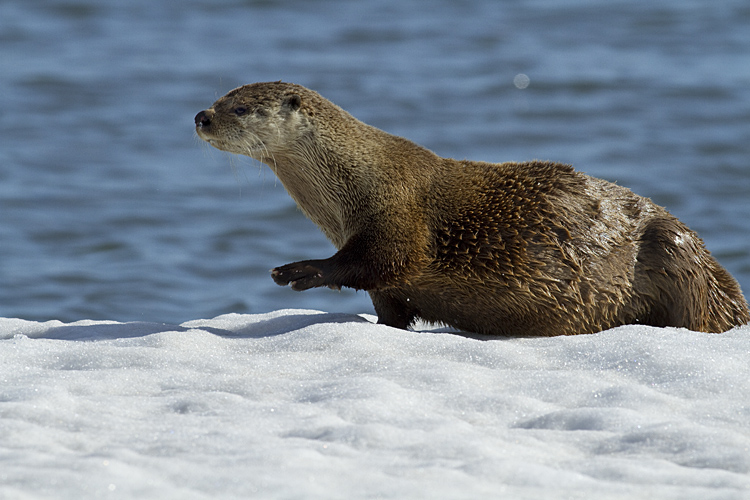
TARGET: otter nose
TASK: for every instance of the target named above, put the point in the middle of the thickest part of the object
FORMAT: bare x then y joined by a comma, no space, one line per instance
202,119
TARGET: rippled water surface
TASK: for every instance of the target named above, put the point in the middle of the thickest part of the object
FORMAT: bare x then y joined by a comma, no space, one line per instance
111,208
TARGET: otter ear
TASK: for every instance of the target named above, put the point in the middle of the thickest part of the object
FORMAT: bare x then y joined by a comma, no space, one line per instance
292,101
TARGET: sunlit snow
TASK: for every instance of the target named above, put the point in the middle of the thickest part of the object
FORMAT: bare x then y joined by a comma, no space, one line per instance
300,404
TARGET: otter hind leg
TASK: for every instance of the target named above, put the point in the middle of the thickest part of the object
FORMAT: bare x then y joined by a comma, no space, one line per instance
681,284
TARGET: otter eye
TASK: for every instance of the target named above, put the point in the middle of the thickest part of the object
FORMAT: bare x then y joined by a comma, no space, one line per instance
240,110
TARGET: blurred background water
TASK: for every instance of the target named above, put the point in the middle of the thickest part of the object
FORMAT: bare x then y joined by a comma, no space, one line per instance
111,208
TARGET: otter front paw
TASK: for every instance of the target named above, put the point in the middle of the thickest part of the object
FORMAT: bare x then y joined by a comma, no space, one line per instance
300,274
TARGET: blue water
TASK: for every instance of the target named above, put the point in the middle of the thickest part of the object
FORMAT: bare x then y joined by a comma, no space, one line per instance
111,208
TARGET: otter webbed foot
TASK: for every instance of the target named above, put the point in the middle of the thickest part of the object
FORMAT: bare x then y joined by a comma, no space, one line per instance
301,275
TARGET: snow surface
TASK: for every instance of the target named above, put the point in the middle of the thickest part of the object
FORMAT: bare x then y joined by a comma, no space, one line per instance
301,404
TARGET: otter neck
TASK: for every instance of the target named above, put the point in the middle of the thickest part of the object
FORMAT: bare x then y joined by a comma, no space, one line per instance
330,185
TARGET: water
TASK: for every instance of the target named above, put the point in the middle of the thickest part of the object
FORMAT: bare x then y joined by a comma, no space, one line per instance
111,208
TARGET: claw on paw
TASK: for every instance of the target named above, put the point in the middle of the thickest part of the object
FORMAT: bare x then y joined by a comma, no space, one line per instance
300,276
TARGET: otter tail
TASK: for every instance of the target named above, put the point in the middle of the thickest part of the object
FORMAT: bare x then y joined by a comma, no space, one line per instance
681,284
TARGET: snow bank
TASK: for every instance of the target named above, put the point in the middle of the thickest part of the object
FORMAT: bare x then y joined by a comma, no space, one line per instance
300,404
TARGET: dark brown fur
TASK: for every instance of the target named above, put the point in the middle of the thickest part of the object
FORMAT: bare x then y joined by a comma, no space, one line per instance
530,248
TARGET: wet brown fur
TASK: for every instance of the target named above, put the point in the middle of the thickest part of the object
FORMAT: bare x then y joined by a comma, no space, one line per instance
531,248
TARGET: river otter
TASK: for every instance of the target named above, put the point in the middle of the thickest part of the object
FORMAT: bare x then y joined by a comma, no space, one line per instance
518,249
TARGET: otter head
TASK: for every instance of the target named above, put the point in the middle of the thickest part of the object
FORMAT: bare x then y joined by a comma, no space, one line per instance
258,120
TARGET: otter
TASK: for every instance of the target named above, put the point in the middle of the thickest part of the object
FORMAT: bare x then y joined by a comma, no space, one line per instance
504,249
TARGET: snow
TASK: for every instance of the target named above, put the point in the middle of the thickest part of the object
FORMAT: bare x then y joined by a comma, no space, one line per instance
302,404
